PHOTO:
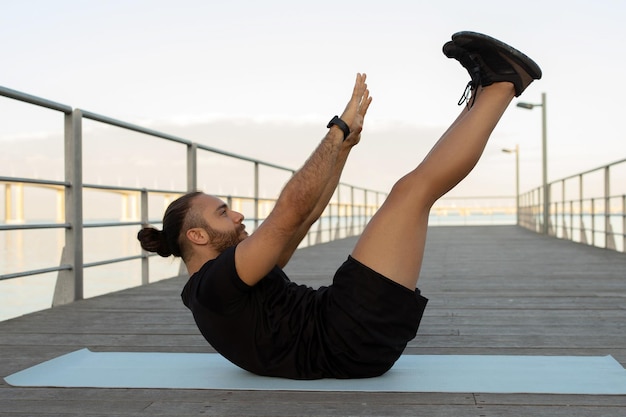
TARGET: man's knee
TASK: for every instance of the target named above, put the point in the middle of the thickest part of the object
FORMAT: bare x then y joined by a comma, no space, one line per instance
412,189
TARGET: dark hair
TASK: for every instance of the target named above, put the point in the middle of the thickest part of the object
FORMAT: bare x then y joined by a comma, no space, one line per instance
167,242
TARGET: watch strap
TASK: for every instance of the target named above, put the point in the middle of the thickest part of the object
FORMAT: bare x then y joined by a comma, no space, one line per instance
336,121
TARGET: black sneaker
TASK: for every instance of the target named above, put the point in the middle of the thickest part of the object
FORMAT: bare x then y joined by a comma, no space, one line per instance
451,50
497,60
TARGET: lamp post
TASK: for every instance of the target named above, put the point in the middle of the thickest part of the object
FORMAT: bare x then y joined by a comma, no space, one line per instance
544,152
516,152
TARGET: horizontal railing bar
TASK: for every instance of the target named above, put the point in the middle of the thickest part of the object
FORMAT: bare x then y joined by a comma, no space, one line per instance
243,158
493,197
129,126
131,189
27,226
20,180
592,198
110,224
112,261
38,101
35,272
589,171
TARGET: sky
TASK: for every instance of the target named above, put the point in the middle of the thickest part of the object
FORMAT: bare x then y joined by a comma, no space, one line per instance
262,79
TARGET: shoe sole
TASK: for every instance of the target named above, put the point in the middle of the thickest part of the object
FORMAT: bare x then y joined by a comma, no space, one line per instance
473,41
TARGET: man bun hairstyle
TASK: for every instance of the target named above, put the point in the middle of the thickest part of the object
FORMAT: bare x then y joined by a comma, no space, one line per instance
154,240
169,241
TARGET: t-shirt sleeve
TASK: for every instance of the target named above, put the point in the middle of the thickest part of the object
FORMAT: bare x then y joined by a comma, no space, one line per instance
220,289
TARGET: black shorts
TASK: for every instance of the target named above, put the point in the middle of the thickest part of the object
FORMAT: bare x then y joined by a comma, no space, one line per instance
369,320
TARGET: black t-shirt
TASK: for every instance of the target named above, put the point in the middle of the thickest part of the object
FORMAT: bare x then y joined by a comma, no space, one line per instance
273,328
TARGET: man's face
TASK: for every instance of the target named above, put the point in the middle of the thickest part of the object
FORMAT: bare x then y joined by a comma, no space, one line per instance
224,226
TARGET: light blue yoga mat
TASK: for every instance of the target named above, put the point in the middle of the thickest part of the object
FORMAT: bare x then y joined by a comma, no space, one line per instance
411,373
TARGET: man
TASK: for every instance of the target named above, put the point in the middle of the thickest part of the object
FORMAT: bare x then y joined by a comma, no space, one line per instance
247,308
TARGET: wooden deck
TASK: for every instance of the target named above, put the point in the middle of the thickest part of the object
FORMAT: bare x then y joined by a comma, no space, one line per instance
492,290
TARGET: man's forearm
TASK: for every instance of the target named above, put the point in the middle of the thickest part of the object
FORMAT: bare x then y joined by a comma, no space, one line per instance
301,195
319,208
331,186
326,194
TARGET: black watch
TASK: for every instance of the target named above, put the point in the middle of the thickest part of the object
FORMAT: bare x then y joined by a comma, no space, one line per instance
341,125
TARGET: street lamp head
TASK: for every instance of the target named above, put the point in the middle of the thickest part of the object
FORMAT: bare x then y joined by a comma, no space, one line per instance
528,106
505,150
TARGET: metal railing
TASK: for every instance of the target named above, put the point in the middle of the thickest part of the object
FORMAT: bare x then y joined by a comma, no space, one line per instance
346,215
589,207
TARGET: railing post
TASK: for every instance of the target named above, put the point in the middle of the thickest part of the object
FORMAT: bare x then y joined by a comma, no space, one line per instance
624,223
526,214
531,210
74,175
145,261
520,210
519,215
608,241
593,222
563,205
546,187
69,285
547,210
530,215
192,167
583,233
523,210
571,220
540,195
538,211
338,228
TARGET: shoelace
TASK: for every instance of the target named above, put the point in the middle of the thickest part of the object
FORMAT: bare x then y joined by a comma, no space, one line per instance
467,94
472,85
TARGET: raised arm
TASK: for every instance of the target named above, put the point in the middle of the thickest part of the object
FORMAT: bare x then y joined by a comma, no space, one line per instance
304,197
322,203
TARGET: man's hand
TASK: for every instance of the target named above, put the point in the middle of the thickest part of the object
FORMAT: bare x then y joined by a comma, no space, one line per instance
355,111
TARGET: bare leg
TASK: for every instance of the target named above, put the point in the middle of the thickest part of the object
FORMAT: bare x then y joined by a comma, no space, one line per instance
394,240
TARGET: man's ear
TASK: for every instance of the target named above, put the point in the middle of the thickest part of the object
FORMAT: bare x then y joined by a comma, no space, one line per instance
198,236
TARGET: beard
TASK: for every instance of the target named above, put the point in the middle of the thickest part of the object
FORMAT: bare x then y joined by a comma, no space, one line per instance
224,240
